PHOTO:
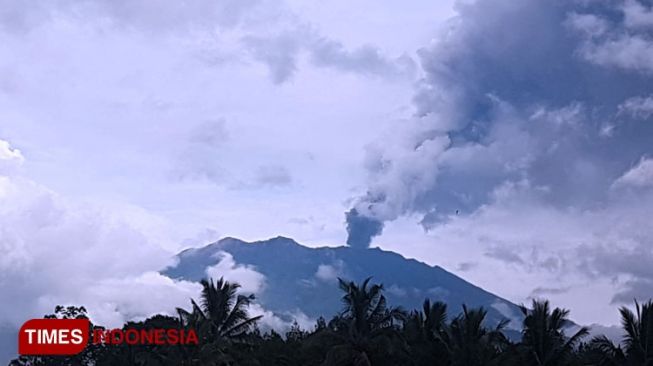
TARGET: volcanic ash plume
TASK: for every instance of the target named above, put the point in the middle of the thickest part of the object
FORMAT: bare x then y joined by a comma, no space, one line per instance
561,116
361,229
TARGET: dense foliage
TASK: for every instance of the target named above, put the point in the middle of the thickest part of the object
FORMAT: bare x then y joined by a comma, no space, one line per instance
368,332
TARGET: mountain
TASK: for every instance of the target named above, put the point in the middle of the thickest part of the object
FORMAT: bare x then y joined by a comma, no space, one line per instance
299,278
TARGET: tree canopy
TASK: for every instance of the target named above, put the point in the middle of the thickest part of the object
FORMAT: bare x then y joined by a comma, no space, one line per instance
367,331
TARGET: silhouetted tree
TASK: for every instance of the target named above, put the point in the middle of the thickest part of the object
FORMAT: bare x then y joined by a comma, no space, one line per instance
470,343
543,339
366,332
221,319
637,348
365,327
425,331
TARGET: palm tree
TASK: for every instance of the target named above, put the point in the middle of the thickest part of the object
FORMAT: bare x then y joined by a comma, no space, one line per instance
434,319
221,319
543,340
637,346
470,343
600,351
638,341
425,332
366,326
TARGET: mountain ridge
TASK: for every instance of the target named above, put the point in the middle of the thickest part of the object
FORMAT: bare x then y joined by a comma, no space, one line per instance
304,279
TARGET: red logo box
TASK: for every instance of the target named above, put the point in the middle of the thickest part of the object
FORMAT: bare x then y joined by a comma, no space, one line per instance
53,336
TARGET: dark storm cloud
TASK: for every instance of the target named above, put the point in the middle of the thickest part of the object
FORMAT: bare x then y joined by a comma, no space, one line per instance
549,94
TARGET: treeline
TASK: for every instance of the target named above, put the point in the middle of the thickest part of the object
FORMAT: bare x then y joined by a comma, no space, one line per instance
367,332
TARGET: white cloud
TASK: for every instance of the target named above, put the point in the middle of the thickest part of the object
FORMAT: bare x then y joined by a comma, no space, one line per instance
269,319
246,276
114,300
326,272
640,175
637,14
253,282
329,272
280,322
626,52
522,245
508,312
9,154
55,250
637,107
396,290
304,321
438,293
612,42
591,25
10,158
59,251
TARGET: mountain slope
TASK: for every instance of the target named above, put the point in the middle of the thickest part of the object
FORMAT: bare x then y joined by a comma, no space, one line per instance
303,279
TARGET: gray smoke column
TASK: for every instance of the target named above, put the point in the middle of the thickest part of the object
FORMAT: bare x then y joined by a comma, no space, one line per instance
361,229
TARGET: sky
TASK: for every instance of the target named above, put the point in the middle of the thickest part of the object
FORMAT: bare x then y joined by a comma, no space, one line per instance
508,142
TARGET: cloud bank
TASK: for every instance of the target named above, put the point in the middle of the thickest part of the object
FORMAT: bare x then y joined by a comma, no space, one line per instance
58,251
